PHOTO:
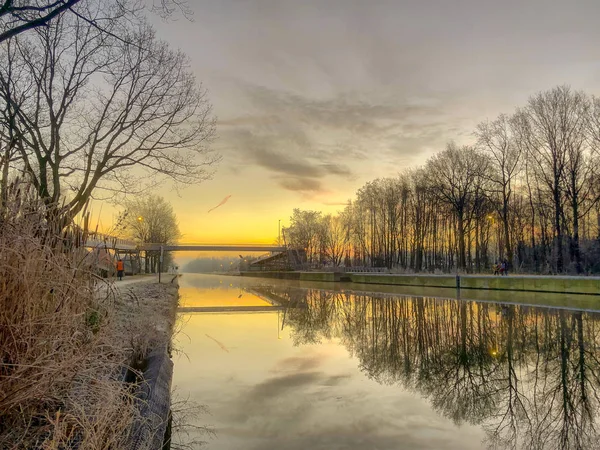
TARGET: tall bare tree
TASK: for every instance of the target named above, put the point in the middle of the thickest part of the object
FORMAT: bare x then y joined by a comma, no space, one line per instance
454,176
579,174
335,238
102,113
549,127
496,139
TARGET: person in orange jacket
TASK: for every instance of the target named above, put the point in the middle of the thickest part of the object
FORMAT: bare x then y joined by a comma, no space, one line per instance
120,268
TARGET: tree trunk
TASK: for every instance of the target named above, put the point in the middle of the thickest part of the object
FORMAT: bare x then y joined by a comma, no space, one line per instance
4,181
574,247
507,243
461,242
558,230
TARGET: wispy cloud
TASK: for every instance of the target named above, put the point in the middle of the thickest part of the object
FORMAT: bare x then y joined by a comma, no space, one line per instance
305,142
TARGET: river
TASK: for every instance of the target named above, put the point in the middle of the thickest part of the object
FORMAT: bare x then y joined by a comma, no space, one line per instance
284,365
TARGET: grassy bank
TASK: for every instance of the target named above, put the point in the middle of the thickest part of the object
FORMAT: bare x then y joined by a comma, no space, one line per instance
542,284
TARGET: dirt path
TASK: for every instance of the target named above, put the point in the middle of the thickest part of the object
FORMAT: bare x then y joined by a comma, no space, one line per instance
145,311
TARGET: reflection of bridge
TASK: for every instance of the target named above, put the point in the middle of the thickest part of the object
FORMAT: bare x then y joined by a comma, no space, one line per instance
230,309
276,303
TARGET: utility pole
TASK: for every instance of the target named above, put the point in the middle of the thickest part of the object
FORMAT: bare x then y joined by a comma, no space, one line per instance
160,262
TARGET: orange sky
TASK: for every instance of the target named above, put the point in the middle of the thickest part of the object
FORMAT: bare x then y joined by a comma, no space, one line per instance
251,215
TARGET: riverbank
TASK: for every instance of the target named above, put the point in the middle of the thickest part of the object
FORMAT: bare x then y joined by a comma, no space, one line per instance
84,362
518,283
300,276
145,314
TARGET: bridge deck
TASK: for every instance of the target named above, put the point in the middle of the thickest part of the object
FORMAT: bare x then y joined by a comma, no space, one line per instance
124,244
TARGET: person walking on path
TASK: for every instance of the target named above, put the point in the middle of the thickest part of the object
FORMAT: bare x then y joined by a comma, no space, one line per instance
504,268
120,269
496,268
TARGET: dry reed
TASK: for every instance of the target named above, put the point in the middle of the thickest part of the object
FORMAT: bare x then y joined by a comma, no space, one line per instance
60,370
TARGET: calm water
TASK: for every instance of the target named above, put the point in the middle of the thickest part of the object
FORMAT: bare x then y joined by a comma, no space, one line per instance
336,369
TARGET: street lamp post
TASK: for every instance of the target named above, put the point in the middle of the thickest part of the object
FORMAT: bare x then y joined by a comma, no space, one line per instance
279,233
140,219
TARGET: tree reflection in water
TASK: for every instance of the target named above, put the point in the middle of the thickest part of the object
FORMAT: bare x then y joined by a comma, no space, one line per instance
528,375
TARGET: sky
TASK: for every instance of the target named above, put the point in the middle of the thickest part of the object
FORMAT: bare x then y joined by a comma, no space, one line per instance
315,98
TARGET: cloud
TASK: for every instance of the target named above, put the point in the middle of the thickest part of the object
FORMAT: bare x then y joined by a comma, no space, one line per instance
278,386
299,363
306,142
287,155
221,203
336,380
337,169
300,184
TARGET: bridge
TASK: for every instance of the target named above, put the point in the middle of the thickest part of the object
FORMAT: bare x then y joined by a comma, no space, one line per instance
113,243
109,245
95,240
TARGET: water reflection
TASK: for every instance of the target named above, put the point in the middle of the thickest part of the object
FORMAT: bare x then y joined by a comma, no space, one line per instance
528,376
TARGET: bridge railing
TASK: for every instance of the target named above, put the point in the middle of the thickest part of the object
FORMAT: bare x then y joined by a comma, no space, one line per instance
94,239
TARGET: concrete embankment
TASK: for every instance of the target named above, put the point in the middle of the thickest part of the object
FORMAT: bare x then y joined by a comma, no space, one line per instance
520,283
549,284
301,276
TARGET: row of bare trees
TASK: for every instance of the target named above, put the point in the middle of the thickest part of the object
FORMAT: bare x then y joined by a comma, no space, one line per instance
95,104
526,191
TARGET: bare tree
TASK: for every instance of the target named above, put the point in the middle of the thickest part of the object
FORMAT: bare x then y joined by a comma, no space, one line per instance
335,238
421,215
17,17
579,174
151,219
305,231
496,140
101,114
549,127
454,175
8,137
